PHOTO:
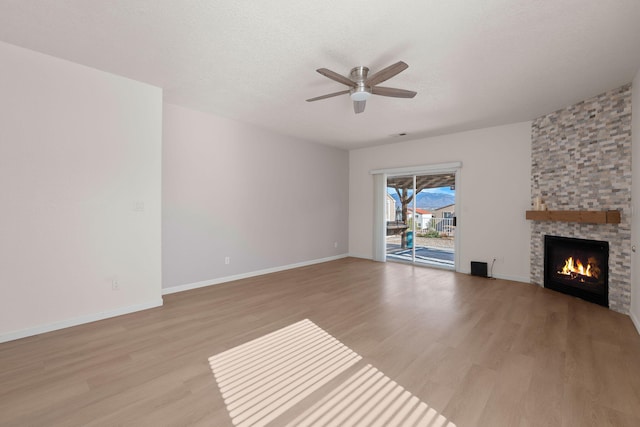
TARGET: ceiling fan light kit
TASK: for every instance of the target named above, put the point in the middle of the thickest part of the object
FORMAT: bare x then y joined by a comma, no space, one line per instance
361,86
360,95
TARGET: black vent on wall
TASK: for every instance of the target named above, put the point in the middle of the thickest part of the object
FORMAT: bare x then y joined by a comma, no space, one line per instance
478,268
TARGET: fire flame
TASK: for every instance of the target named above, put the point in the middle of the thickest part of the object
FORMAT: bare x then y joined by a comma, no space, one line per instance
571,266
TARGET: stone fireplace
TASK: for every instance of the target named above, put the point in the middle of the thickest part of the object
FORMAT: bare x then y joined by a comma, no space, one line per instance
581,160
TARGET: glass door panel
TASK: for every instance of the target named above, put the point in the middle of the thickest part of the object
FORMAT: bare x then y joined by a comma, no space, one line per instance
399,216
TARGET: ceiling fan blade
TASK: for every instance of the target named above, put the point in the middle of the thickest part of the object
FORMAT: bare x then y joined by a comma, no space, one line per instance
386,73
390,91
330,95
358,106
337,77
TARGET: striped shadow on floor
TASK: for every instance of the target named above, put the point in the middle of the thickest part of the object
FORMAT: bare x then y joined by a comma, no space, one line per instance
264,378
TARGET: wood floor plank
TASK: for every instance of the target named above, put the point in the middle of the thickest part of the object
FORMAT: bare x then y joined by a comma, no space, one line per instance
506,403
475,351
467,405
544,398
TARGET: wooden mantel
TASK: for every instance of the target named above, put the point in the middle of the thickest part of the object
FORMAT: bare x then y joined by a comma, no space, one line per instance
591,217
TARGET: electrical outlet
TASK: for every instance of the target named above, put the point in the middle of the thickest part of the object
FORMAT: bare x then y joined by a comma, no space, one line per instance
335,244
115,285
227,260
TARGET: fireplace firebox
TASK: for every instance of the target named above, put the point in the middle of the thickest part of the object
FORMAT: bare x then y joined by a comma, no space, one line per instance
577,267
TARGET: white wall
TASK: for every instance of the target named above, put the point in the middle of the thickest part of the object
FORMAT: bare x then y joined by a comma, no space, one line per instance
635,200
494,190
232,190
78,149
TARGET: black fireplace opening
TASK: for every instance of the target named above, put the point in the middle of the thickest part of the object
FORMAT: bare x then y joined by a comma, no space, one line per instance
577,267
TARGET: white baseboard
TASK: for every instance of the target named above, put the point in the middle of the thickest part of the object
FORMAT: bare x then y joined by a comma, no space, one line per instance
370,258
78,321
635,321
497,276
512,278
204,283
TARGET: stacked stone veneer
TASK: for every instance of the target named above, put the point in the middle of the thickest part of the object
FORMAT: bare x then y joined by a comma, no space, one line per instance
581,160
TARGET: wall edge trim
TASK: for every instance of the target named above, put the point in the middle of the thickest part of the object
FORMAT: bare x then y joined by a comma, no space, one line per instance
512,278
636,321
359,256
80,320
219,280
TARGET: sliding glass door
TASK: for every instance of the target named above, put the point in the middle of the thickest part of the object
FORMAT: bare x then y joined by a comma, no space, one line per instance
420,218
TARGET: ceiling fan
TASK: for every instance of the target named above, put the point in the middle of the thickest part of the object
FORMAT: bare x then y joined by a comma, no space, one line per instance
362,86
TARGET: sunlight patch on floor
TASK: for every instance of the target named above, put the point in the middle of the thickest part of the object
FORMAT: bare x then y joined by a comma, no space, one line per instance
264,378
368,399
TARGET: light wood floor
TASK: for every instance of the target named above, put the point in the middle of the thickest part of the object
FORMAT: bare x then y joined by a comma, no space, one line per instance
481,352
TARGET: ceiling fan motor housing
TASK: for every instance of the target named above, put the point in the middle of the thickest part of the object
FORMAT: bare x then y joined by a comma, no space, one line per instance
360,92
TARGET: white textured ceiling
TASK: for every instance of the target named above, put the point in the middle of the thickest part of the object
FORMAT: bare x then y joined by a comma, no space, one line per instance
473,63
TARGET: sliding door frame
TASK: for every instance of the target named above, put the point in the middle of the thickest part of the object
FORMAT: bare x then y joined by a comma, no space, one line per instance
380,188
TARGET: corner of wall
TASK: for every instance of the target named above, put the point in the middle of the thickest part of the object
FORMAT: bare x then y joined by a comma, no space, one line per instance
635,199
636,321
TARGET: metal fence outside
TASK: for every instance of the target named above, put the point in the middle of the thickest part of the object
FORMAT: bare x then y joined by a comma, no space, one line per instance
444,226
